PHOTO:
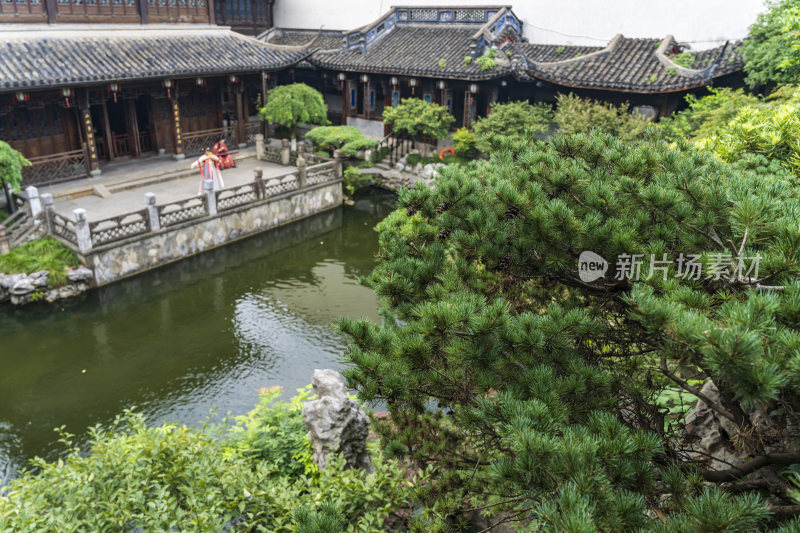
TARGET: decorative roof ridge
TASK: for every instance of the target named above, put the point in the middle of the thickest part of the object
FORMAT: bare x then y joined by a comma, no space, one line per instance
484,30
67,31
610,47
289,47
664,59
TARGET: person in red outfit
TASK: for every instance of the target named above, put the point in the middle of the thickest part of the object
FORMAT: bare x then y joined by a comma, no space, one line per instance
220,150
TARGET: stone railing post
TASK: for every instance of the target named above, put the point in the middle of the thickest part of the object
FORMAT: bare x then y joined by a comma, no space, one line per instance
258,175
259,147
152,211
33,201
301,150
302,173
82,231
47,199
286,152
338,169
5,241
211,197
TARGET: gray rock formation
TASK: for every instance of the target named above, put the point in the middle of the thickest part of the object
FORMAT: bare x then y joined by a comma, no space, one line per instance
335,423
80,274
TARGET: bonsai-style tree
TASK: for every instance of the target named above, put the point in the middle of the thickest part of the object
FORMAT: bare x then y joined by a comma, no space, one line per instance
772,51
11,163
290,105
348,139
549,386
414,116
512,119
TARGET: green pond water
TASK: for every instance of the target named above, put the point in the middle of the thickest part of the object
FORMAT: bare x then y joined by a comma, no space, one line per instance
204,333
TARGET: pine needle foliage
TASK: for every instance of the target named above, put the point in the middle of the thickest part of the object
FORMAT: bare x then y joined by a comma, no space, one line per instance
535,394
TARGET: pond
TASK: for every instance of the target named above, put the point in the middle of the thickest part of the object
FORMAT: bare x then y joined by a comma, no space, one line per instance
176,342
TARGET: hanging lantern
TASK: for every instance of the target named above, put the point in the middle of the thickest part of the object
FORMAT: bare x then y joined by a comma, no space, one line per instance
412,82
364,78
66,92
503,83
168,85
441,84
473,88
233,78
22,96
393,80
200,82
113,87
342,76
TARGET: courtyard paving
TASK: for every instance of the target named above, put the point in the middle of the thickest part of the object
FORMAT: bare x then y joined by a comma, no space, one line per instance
156,175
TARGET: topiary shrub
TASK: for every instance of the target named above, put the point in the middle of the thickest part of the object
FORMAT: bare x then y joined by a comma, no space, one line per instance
348,139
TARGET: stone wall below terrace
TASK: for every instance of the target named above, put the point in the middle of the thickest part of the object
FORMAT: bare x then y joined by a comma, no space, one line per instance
137,254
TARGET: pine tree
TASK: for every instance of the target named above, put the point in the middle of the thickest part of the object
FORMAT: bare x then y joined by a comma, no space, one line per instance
535,393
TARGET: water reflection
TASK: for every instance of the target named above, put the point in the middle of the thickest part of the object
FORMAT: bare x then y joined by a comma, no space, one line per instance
207,332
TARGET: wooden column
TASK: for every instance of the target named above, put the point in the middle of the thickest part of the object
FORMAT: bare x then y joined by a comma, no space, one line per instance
132,123
177,138
109,137
241,120
87,129
467,119
143,13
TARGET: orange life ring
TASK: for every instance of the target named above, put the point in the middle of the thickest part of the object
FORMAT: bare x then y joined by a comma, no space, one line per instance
450,151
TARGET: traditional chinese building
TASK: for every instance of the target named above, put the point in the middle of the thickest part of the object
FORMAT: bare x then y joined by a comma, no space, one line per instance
108,80
443,54
105,80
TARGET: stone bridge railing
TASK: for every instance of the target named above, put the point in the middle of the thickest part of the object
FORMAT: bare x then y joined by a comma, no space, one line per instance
84,236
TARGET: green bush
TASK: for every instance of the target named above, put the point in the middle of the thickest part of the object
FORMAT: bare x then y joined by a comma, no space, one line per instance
581,115
415,116
176,478
413,159
42,254
708,114
348,139
487,59
354,180
512,119
464,142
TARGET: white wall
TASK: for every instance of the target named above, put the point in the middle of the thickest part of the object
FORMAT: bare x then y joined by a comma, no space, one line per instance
704,23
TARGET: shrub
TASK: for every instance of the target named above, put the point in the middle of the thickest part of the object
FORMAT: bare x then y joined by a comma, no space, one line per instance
581,115
11,163
42,254
414,116
684,59
348,139
464,142
208,479
708,114
487,59
512,119
413,159
354,181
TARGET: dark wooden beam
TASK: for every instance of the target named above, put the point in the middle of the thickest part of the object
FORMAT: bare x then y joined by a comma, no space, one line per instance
87,129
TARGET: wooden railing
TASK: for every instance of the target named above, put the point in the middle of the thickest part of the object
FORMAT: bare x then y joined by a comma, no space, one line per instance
53,168
195,142
121,145
145,142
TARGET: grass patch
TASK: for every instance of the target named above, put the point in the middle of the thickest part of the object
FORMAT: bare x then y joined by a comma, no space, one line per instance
41,254
3,215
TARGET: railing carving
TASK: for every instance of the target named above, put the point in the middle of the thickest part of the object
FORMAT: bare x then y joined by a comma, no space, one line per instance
53,168
276,186
120,227
64,228
236,196
177,212
321,173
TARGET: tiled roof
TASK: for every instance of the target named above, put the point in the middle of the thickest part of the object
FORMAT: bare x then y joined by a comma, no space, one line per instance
633,65
47,58
415,50
313,39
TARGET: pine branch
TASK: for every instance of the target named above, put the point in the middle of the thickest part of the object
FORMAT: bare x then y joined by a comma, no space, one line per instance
694,390
756,463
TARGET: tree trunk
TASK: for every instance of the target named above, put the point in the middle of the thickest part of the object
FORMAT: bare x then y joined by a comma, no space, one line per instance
9,199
